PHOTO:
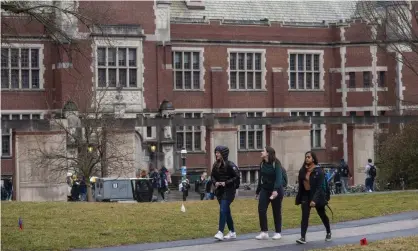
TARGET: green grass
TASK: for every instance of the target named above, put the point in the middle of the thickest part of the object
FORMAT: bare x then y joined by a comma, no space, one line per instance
397,244
62,226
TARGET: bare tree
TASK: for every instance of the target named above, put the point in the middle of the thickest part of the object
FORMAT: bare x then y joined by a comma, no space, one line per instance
393,26
94,144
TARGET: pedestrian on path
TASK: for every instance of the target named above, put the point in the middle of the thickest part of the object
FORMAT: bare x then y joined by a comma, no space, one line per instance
312,194
270,189
224,176
345,175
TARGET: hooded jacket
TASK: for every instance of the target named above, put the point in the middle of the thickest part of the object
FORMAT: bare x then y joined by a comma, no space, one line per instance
224,173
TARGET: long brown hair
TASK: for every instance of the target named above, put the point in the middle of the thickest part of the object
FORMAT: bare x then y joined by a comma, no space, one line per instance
272,155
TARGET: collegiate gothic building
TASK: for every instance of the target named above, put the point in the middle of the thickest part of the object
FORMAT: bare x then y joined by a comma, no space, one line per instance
261,58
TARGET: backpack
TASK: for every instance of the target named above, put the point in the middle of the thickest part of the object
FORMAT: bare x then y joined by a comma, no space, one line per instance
237,172
284,173
344,170
372,171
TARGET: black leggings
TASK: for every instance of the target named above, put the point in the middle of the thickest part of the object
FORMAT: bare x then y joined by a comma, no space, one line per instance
276,204
306,210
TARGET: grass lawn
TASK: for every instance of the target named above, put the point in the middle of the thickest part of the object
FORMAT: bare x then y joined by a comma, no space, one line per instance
62,226
398,244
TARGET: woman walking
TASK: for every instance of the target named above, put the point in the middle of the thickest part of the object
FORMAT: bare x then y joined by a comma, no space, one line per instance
312,194
224,177
270,189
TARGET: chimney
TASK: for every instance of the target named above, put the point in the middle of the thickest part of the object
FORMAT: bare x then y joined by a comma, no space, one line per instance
195,4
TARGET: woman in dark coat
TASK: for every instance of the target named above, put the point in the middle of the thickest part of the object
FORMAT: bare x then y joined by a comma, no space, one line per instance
312,194
223,177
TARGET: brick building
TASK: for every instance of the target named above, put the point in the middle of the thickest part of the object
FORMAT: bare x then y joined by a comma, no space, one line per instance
262,58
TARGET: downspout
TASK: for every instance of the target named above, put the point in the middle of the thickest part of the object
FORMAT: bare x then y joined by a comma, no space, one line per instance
156,75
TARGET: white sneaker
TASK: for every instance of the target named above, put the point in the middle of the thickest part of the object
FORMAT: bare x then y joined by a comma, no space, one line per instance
262,236
219,236
230,235
277,236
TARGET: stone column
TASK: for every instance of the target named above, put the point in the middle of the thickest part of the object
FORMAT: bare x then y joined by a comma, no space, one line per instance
291,141
226,135
363,149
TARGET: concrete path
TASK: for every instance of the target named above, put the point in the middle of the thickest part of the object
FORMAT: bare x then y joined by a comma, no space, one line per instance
391,226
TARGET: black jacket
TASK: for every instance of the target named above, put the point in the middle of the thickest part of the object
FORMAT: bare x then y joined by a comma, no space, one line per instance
317,192
224,173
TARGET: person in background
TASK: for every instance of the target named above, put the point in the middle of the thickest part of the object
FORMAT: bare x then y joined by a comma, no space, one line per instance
270,189
163,186
201,183
345,175
185,186
337,180
311,194
370,171
224,177
83,189
209,190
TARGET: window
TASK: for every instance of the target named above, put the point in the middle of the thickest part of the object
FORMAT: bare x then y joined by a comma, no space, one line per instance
352,80
245,70
149,132
367,113
190,137
6,137
316,131
382,76
353,113
366,79
20,68
117,67
187,70
250,137
304,69
382,113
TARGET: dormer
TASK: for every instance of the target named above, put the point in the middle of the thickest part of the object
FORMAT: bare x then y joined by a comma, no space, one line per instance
195,4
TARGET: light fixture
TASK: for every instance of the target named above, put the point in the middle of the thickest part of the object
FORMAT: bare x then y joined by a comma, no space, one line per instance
153,148
183,153
90,149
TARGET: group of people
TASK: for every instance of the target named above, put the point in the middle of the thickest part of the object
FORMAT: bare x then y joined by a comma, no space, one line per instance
312,192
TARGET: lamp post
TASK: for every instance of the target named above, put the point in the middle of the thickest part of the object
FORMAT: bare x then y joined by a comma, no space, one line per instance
183,154
153,148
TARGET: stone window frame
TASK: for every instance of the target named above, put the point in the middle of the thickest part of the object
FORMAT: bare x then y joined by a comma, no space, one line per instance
136,43
8,133
321,69
314,127
191,129
201,69
247,128
263,69
40,68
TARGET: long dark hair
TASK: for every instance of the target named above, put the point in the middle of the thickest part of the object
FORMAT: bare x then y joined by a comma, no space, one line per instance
272,154
315,159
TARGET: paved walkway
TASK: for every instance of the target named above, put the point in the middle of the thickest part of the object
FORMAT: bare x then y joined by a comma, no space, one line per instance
391,226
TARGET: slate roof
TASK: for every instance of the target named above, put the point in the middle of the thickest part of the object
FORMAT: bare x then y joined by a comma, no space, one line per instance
273,10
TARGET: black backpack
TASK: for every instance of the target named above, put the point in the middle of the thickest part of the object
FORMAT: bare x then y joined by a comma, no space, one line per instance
237,172
284,173
372,171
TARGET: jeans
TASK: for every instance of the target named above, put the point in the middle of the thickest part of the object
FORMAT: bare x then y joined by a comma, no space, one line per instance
83,196
276,204
225,216
369,184
210,196
306,211
344,184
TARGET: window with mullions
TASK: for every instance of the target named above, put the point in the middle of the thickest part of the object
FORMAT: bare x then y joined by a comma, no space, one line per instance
117,67
316,131
186,70
250,137
304,71
20,68
245,70
190,137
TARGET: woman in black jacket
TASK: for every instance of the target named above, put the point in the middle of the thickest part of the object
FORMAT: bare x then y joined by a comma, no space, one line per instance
223,177
312,194
270,189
